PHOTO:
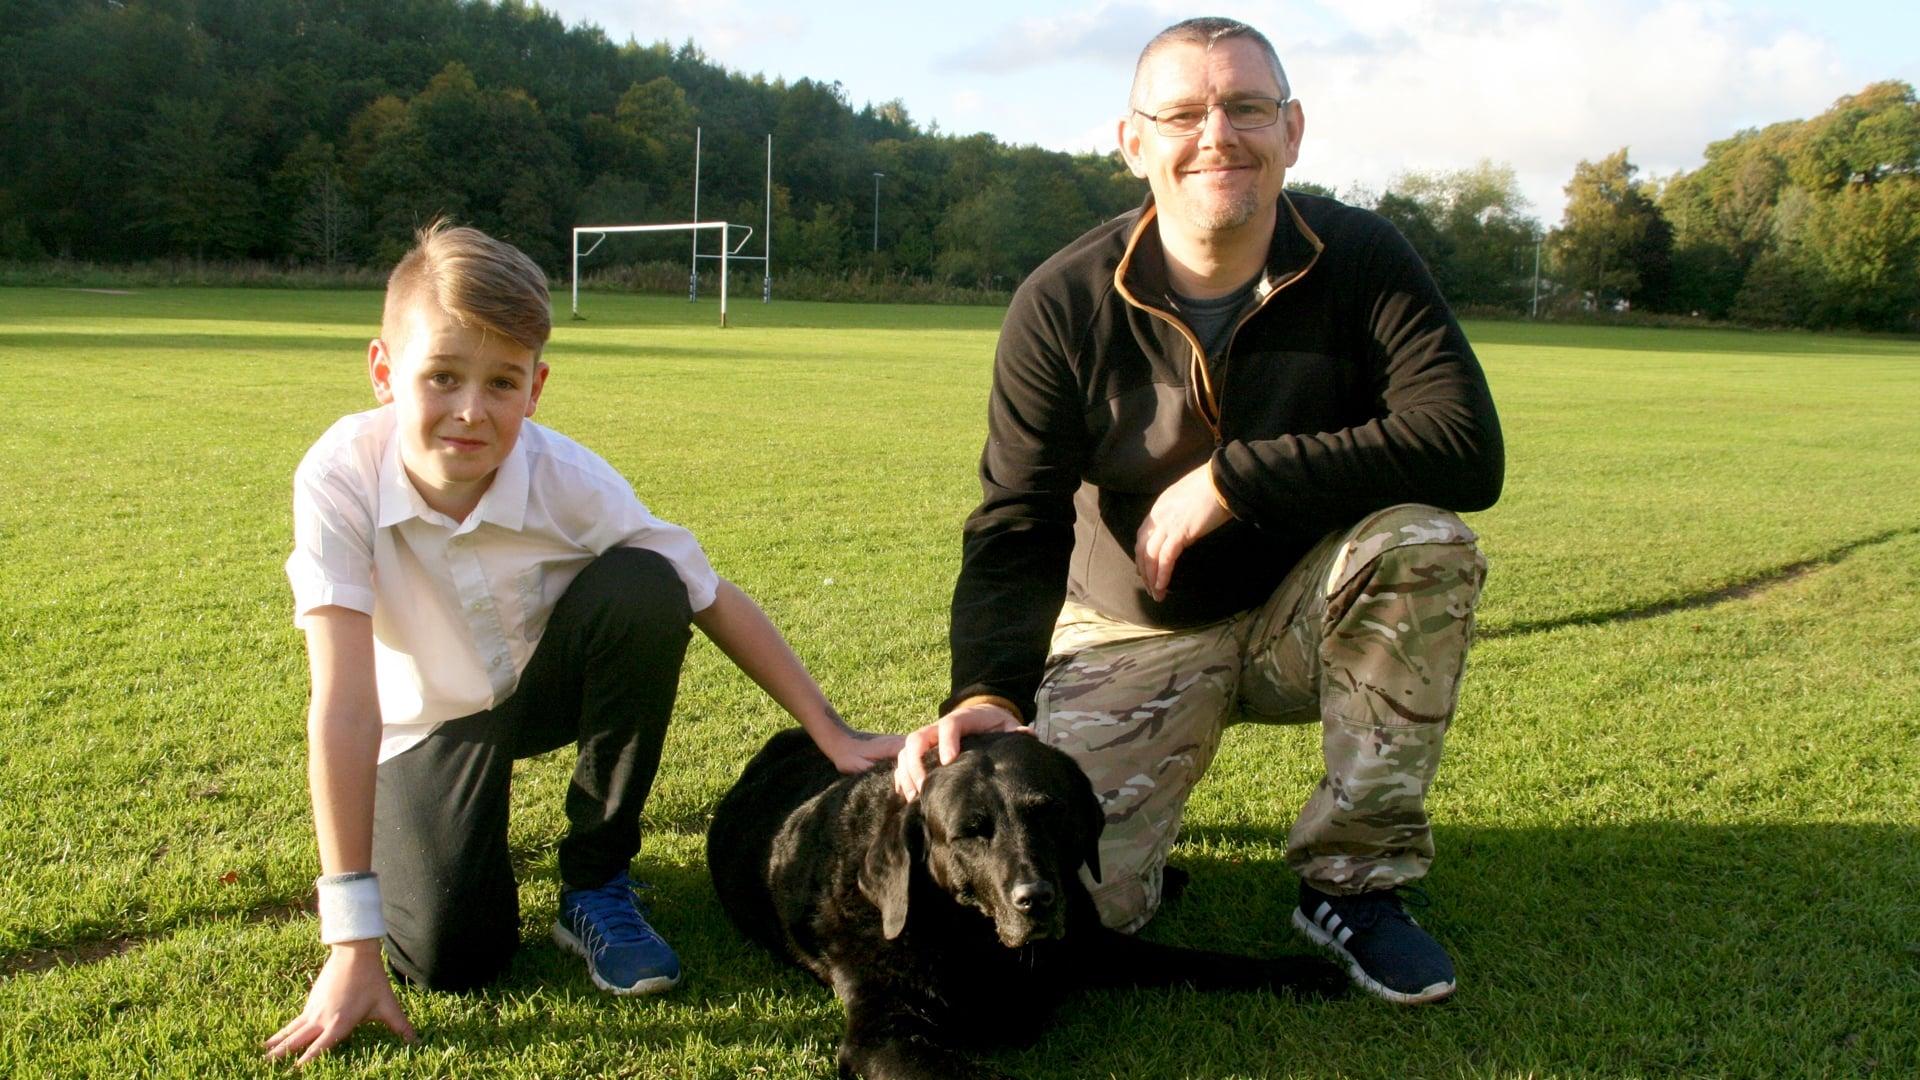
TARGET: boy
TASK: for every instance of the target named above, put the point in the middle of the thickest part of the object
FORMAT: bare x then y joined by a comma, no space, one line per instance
476,589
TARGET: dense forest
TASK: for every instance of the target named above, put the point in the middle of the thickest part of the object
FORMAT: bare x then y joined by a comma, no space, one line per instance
321,132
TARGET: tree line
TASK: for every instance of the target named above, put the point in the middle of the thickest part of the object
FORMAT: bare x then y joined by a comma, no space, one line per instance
1811,223
321,132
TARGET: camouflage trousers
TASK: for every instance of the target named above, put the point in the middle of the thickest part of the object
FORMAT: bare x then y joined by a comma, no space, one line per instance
1368,634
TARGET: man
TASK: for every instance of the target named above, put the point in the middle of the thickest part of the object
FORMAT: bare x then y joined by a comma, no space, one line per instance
1221,434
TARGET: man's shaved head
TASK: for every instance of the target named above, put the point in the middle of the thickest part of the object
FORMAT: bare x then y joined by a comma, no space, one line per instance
1204,32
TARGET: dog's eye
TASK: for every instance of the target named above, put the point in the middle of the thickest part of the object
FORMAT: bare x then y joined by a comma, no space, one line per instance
976,828
1043,806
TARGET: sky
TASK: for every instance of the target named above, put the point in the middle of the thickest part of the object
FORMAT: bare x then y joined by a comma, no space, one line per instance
1388,86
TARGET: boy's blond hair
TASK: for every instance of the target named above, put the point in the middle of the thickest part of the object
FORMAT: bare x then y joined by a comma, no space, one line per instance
480,281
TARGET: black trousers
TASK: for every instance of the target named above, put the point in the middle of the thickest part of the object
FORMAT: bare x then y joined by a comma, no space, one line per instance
603,676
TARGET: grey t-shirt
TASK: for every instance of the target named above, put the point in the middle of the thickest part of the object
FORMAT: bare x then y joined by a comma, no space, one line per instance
1212,320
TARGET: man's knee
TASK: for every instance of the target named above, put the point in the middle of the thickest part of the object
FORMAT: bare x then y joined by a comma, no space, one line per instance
1400,618
1419,552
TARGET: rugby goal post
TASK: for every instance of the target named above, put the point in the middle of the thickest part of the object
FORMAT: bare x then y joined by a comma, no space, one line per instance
728,252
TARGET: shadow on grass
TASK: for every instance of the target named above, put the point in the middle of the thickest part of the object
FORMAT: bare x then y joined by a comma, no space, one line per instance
1739,590
1646,948
252,341
1690,339
1738,949
51,340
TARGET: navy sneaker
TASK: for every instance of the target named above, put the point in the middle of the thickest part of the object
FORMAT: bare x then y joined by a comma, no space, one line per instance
623,954
1386,952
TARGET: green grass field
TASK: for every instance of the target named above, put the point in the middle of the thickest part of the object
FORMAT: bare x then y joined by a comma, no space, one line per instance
1679,823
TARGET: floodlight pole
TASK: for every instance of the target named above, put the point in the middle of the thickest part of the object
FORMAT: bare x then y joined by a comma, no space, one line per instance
876,211
1534,313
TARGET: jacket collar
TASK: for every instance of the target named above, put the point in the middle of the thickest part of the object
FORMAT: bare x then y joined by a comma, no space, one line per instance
1141,276
1141,279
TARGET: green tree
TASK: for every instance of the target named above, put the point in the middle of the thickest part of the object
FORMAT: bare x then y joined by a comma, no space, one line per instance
1863,139
979,237
1416,221
659,121
322,222
1722,218
1612,242
190,196
1471,227
482,155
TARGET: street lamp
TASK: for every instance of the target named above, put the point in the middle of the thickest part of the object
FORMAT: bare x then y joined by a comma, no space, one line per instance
876,210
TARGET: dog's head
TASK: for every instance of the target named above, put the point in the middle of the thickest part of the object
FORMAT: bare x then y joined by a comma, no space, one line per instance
1003,829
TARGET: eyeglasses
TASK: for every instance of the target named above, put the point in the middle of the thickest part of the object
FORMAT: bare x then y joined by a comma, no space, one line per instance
1245,114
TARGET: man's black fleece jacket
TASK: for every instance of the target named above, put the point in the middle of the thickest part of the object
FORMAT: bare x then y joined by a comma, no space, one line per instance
1346,387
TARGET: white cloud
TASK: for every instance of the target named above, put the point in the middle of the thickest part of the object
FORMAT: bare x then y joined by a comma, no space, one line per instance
1388,85
1542,86
723,29
1105,34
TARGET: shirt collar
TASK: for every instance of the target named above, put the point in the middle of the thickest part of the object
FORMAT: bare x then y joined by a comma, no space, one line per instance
504,504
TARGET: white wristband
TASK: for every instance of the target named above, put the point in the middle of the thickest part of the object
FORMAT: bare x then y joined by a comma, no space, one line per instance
349,908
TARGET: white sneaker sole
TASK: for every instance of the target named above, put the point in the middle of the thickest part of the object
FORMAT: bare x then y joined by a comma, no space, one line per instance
1437,992
565,938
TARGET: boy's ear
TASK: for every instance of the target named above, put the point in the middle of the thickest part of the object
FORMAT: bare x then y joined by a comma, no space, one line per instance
539,380
380,371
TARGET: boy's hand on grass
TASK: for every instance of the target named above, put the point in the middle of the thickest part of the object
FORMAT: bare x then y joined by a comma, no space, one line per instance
857,751
349,990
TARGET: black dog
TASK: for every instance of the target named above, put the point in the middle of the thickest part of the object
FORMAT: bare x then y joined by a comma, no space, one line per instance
957,918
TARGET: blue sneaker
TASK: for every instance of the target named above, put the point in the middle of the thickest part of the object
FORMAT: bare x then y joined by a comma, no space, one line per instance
1385,951
623,954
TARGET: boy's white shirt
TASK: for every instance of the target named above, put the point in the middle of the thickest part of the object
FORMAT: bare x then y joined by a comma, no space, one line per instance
459,607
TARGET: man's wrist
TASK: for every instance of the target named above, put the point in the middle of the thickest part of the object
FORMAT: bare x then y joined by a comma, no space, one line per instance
1213,485
990,699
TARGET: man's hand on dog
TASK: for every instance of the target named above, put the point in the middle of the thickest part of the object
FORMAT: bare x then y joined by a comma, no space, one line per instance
974,718
350,989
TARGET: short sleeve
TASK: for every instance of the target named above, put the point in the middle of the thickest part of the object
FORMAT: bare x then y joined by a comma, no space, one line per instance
626,522
679,547
591,502
333,521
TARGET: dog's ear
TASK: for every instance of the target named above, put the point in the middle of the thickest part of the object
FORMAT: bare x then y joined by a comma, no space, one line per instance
886,874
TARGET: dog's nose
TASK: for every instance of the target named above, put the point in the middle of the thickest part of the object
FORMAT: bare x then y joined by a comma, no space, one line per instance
1033,896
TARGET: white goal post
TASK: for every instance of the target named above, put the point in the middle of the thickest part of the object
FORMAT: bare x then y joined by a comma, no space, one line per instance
727,252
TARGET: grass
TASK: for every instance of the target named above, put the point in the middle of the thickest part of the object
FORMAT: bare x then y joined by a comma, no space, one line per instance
1677,824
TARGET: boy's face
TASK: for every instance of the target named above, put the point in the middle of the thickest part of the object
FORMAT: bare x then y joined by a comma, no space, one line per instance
461,393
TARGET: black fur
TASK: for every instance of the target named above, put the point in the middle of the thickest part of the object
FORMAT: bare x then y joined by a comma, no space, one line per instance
955,920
